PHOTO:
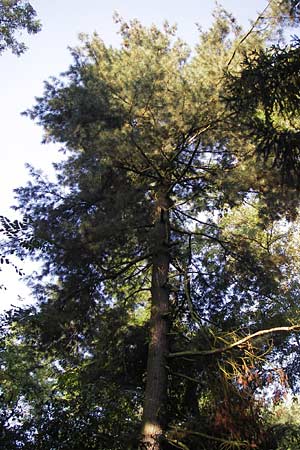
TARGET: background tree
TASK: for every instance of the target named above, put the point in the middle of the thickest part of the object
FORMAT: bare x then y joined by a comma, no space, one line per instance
16,16
271,117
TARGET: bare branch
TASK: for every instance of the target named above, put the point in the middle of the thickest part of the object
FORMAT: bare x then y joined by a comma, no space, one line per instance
238,343
260,16
182,432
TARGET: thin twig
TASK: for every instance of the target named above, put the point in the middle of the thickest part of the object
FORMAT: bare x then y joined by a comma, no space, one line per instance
260,16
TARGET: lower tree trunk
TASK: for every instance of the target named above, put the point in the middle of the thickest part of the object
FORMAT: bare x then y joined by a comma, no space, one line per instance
156,384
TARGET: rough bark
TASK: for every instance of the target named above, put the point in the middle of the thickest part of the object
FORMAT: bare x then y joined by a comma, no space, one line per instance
156,384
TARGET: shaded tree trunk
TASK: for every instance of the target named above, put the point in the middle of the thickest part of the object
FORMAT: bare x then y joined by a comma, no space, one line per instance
156,384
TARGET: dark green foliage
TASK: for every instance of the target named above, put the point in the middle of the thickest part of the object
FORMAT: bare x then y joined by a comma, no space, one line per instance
81,390
16,233
266,97
16,16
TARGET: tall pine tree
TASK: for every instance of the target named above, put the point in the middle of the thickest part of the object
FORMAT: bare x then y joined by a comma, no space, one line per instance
152,159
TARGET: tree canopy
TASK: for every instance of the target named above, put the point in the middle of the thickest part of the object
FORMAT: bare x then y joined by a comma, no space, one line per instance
16,16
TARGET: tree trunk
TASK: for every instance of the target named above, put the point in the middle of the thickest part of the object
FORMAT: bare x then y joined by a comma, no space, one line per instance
156,384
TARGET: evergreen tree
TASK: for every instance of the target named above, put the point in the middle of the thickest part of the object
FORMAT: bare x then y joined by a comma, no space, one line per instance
136,123
264,95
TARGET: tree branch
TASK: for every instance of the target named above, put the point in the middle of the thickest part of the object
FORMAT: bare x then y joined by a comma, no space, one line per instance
238,343
182,432
260,16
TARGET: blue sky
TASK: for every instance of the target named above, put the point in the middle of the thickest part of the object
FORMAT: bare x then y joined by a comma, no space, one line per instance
21,79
